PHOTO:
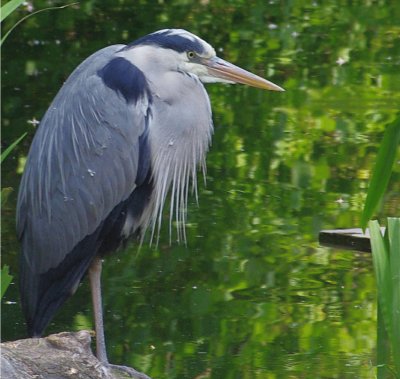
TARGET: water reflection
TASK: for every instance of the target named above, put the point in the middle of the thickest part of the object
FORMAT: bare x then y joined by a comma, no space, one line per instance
252,295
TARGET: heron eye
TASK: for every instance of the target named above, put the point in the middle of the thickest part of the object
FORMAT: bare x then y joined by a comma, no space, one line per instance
191,54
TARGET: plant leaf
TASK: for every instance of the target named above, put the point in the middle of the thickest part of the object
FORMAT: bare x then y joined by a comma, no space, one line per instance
5,279
10,7
10,148
382,170
382,348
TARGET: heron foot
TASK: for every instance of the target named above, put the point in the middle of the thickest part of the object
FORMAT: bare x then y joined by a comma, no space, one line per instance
131,372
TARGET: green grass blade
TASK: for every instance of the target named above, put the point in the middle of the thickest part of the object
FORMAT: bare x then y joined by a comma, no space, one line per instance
382,170
5,280
10,7
380,257
10,148
394,251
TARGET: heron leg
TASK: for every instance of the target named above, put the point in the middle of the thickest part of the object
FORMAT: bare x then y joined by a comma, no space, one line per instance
101,352
95,286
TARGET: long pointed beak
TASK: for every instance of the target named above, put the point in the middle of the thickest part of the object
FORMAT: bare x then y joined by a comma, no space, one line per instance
222,69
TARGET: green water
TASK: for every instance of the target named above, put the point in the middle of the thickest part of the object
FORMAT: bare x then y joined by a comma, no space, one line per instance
252,295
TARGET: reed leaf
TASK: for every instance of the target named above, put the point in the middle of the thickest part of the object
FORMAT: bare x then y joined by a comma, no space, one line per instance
382,170
381,261
394,251
383,348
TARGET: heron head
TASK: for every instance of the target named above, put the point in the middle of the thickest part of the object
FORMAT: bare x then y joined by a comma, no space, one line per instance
195,56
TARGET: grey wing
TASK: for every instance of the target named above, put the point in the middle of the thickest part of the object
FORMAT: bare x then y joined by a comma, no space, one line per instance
83,160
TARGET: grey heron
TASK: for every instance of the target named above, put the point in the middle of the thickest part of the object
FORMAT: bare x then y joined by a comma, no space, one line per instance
130,124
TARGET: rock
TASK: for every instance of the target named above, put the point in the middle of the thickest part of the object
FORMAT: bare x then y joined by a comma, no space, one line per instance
58,356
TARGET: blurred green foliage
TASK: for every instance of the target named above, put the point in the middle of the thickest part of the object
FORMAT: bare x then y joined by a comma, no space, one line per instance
252,295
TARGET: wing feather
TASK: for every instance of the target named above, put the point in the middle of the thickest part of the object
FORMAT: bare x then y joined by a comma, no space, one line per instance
82,163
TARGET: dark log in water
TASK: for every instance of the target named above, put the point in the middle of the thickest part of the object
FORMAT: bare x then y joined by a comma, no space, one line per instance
347,239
